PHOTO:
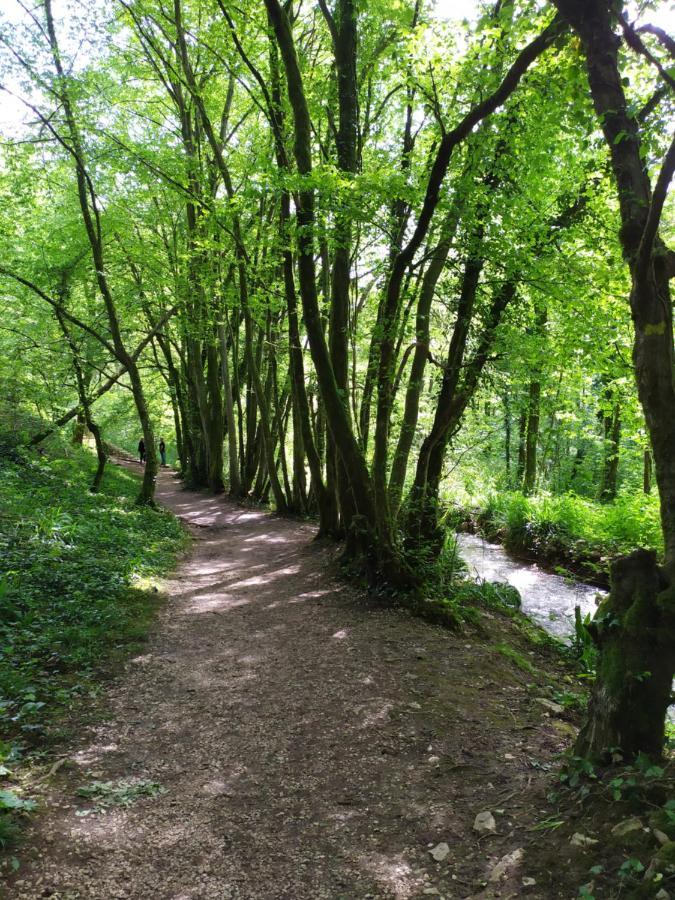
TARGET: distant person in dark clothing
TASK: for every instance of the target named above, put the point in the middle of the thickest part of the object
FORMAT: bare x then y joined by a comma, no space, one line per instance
141,450
162,451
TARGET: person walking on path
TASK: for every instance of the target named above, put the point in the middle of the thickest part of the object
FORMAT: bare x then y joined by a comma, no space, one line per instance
162,451
141,450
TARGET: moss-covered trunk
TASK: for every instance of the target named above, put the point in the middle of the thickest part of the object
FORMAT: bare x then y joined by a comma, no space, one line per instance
634,631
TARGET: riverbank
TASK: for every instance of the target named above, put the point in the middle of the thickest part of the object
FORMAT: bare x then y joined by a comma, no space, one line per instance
548,599
567,535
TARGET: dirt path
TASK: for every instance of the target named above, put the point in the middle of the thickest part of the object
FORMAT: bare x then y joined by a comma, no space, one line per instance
310,746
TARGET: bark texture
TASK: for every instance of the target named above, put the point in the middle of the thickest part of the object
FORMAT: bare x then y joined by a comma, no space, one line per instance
634,630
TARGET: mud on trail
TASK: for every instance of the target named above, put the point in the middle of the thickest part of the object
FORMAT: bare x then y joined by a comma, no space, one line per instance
309,745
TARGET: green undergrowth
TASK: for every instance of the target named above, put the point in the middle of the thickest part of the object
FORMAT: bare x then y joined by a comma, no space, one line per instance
76,592
615,826
567,532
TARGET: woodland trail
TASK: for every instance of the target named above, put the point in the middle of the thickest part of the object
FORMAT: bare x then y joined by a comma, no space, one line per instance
311,745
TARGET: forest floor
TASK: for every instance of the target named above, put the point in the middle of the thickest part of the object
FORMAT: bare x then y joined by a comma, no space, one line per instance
281,737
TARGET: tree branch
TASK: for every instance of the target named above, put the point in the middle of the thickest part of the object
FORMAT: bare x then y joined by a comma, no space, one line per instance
56,305
656,206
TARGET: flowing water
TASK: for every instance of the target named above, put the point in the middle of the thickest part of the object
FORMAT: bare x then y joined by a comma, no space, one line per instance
548,599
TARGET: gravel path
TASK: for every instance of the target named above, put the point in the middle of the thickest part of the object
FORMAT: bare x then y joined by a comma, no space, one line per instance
309,746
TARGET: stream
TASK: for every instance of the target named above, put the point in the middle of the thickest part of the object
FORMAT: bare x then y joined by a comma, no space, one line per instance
548,599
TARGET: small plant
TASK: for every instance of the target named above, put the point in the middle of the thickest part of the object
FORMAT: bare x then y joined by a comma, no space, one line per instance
569,700
583,646
9,831
119,793
630,868
11,806
669,809
577,773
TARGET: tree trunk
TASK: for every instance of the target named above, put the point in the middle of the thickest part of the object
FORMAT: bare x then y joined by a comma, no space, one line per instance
376,535
78,429
507,438
105,387
233,456
531,437
215,424
198,469
647,472
460,382
634,631
635,713
83,381
343,31
522,433
263,407
649,260
610,461
92,222
399,465
183,443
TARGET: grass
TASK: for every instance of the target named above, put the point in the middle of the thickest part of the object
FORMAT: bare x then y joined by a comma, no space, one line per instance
74,594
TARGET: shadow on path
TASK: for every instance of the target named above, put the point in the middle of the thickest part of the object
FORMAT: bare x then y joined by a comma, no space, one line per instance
309,747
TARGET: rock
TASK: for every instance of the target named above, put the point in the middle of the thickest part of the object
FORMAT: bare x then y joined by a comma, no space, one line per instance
440,851
529,882
663,895
565,729
555,708
660,836
213,789
484,823
628,826
582,840
434,760
505,864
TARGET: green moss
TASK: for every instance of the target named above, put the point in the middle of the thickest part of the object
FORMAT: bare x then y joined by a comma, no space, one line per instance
666,856
510,653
